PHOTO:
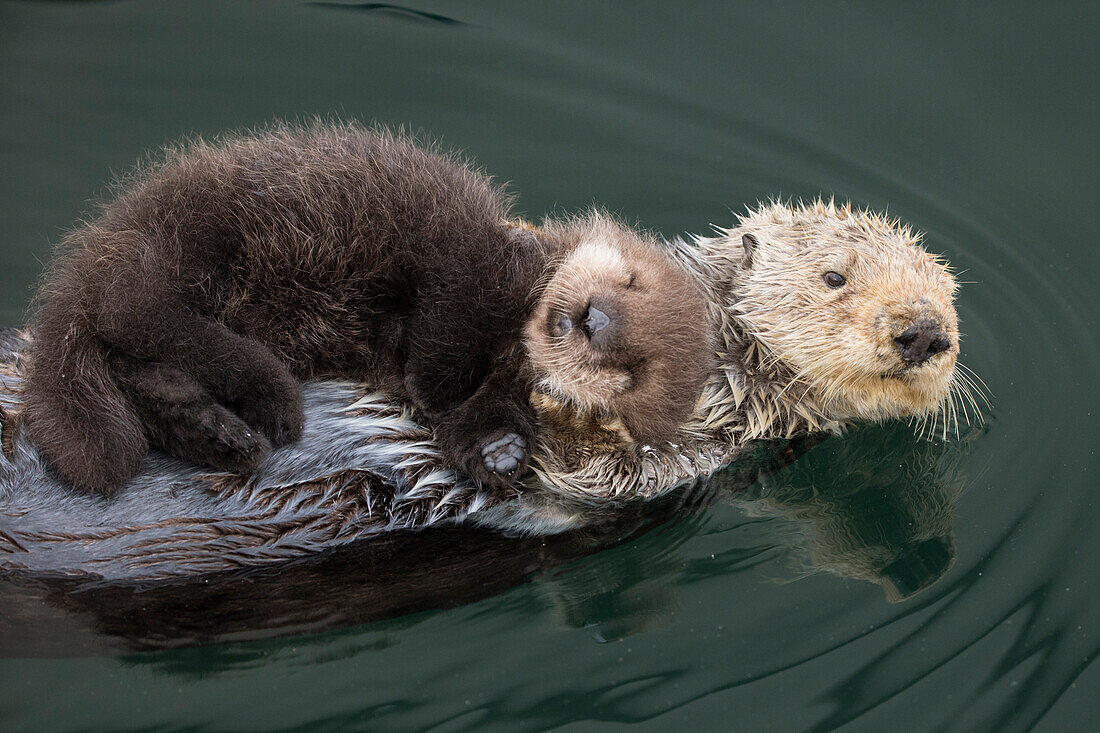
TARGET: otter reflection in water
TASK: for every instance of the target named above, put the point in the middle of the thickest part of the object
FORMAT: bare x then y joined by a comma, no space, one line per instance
876,505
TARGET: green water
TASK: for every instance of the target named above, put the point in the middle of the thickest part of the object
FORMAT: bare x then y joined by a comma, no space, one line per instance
977,123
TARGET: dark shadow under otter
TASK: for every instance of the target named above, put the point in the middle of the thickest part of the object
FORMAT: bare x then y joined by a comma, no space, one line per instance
382,577
892,527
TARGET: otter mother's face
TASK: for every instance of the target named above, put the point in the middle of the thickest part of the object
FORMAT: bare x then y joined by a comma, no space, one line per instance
858,310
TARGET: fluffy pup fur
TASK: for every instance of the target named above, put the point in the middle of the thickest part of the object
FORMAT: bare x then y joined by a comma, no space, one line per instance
183,315
620,331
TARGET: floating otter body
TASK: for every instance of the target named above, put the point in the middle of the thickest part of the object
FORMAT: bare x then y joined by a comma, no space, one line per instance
185,314
365,467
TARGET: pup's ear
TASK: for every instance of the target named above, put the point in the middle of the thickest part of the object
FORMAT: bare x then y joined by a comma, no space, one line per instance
522,234
749,242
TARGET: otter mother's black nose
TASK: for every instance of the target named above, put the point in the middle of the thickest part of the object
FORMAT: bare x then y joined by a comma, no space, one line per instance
921,341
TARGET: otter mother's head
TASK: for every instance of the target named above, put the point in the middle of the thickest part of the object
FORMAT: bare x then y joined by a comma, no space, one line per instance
620,329
859,314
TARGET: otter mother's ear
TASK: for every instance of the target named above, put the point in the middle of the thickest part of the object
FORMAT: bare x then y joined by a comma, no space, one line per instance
749,242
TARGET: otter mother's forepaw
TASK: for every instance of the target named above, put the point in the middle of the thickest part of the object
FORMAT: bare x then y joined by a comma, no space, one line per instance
506,456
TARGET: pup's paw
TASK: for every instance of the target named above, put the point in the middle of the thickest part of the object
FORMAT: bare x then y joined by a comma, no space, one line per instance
496,459
489,438
506,456
97,456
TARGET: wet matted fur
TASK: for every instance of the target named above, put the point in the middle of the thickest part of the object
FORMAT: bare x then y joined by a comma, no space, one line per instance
364,466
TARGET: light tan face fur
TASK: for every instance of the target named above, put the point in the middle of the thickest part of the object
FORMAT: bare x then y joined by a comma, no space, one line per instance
648,362
841,340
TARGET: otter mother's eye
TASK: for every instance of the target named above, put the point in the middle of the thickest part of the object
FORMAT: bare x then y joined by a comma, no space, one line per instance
834,279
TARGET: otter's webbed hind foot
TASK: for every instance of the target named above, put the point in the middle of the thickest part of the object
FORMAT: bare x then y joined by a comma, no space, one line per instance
237,372
183,420
212,435
272,404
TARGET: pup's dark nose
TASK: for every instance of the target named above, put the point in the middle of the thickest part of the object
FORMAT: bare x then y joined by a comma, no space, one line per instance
921,341
601,323
595,321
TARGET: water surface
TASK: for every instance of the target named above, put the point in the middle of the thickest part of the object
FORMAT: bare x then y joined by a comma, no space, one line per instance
772,608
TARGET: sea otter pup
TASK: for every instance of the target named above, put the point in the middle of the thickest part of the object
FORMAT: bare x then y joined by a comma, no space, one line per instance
183,316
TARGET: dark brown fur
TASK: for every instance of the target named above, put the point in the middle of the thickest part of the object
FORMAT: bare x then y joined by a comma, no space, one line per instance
183,316
185,313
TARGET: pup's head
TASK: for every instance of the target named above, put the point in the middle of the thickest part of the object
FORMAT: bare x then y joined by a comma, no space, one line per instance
852,305
620,329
